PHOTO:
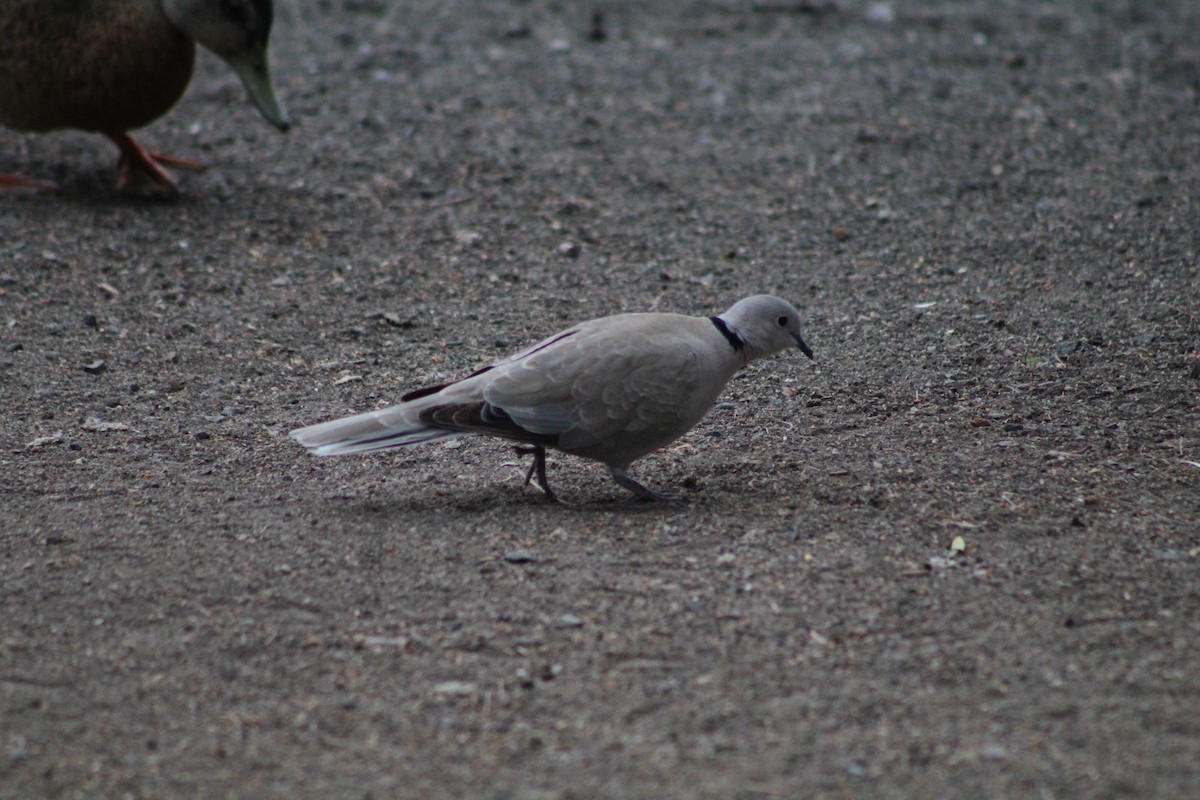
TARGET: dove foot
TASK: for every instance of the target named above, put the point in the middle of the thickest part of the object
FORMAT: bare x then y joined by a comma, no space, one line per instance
538,467
645,492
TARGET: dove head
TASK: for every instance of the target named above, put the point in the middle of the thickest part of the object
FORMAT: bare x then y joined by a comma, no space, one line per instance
766,325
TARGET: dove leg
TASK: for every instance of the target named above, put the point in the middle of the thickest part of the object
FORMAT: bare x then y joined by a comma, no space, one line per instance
539,467
642,492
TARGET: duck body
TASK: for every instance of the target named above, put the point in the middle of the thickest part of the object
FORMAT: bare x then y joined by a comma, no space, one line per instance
92,65
111,66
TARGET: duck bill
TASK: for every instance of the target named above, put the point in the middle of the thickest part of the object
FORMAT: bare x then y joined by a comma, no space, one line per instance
252,68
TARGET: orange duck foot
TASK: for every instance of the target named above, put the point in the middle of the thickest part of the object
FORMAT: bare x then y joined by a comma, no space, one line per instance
21,182
137,163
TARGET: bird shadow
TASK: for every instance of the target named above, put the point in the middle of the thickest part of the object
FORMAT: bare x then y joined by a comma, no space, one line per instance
490,502
97,190
623,505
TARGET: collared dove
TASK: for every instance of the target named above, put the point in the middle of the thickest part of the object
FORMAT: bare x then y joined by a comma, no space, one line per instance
611,389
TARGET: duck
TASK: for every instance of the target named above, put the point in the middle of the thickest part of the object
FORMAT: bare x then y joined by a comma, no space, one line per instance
112,66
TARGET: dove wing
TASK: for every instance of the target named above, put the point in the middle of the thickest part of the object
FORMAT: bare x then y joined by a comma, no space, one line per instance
626,383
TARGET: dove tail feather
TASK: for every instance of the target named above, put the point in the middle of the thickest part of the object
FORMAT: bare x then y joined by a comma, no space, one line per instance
363,433
386,441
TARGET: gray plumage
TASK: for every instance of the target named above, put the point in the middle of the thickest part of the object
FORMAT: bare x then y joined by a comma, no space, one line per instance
610,389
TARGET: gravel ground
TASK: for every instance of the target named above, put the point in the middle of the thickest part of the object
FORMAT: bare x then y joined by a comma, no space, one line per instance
957,557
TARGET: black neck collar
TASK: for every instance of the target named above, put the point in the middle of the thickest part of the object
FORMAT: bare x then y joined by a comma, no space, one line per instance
735,341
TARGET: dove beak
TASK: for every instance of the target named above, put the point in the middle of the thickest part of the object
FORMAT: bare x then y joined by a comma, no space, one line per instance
803,347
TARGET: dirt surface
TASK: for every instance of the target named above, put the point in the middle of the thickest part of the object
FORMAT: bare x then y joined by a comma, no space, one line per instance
988,215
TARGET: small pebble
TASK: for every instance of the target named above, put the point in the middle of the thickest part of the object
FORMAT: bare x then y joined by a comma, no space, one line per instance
881,13
597,32
993,751
1066,348
455,688
100,426
520,557
42,441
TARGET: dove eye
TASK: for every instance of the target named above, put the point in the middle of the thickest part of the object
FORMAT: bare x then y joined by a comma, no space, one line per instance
782,322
